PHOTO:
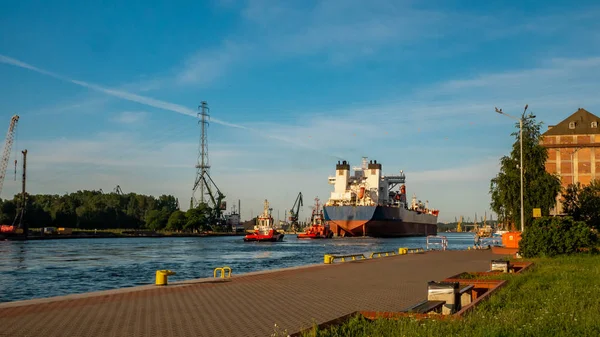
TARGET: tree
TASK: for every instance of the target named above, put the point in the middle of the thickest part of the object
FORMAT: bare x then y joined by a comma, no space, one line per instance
540,187
551,236
177,221
92,209
197,218
583,203
156,219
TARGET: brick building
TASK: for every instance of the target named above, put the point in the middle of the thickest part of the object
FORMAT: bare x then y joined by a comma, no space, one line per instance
573,149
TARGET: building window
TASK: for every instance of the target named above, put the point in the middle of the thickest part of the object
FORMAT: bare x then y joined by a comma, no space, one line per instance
571,125
594,124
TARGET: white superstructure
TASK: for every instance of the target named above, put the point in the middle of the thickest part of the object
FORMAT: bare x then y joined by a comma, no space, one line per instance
369,187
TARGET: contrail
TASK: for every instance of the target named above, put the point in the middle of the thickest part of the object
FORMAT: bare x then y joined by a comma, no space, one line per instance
149,102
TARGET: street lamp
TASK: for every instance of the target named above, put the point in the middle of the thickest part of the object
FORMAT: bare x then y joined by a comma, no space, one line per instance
521,164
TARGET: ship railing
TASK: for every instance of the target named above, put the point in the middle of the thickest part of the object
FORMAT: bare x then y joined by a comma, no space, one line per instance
437,241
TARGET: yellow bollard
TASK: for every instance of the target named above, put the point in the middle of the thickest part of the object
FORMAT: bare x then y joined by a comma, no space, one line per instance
228,269
402,251
161,277
223,270
328,259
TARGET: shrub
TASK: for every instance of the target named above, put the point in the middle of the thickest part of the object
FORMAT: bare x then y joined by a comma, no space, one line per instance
551,236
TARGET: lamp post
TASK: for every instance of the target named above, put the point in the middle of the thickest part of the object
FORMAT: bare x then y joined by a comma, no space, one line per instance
521,163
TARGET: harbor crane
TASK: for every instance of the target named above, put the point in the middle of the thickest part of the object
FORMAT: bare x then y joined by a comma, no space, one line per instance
10,135
295,211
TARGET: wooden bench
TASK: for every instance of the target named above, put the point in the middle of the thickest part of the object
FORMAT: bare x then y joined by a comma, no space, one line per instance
425,307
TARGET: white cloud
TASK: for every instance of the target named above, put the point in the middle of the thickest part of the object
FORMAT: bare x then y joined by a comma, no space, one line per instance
106,159
345,30
130,117
549,74
66,165
164,105
484,169
205,66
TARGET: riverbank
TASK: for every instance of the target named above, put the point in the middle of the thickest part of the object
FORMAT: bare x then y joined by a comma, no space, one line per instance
43,268
213,307
116,234
557,297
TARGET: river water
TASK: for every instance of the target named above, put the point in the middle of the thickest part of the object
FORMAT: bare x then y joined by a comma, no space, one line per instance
36,269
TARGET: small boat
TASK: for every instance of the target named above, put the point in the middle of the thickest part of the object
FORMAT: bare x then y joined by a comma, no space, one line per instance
264,230
318,229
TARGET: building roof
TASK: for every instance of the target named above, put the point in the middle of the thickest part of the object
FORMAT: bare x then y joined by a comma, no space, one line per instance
582,125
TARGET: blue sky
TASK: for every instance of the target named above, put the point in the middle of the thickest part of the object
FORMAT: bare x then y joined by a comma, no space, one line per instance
107,94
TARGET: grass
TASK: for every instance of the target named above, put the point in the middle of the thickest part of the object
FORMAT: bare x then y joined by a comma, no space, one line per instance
555,297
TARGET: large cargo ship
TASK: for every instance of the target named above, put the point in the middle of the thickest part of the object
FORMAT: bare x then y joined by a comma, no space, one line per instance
366,204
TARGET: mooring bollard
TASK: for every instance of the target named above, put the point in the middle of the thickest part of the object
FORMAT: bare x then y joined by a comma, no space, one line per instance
161,277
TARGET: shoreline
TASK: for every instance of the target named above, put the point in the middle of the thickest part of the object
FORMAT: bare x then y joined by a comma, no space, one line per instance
112,236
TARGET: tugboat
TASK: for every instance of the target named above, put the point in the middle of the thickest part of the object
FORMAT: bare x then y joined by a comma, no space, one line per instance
264,229
318,229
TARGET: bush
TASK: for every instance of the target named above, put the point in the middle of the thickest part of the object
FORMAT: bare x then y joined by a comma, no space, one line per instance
551,236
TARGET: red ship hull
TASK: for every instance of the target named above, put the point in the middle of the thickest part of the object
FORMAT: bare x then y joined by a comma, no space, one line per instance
315,236
264,238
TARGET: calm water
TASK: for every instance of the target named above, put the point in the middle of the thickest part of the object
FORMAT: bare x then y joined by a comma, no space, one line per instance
37,269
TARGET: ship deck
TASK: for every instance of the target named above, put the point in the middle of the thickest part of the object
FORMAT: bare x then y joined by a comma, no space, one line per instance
247,305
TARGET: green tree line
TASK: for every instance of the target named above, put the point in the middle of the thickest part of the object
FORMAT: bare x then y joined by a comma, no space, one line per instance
97,210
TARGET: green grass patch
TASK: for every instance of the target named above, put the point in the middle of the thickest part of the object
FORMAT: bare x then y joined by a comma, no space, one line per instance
555,297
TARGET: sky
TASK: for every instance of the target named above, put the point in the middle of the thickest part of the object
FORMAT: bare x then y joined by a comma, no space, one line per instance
107,94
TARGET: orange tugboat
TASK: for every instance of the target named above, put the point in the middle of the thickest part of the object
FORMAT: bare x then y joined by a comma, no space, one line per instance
264,229
318,229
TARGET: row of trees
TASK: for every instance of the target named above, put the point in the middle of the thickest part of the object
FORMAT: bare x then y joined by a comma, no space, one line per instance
97,210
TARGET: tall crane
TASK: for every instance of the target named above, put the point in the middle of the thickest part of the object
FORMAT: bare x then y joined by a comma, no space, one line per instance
294,212
10,135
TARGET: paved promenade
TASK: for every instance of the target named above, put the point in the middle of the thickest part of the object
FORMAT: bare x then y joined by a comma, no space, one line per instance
248,305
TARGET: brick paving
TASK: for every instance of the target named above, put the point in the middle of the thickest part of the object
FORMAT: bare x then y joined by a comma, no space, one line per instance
247,305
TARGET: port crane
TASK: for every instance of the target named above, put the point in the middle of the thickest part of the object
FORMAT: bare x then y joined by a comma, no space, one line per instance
295,211
219,205
10,135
